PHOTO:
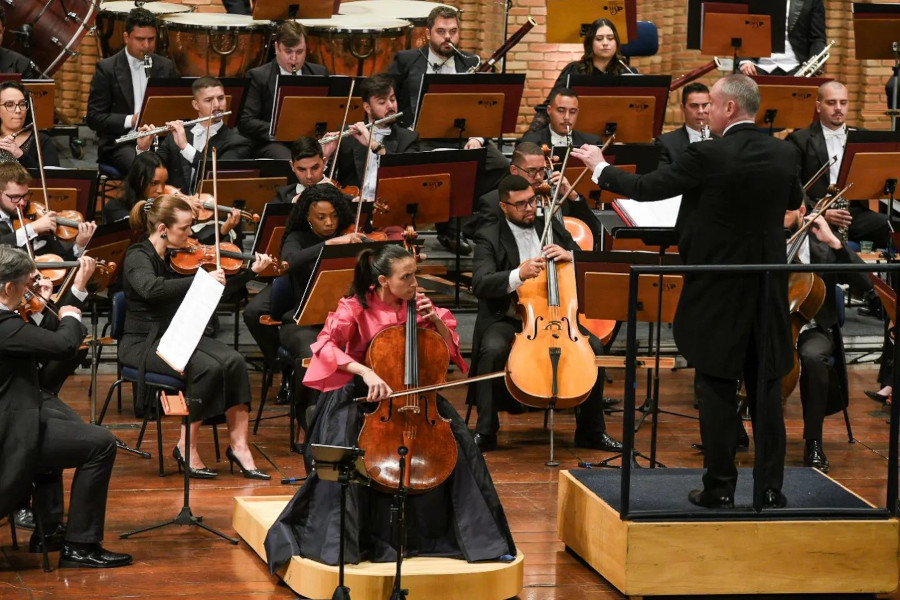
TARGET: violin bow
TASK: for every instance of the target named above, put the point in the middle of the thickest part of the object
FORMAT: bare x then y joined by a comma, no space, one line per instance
337,149
215,155
819,173
202,172
819,209
586,170
27,241
555,202
40,153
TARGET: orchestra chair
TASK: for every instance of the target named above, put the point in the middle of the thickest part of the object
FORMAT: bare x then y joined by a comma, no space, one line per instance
39,527
159,382
838,360
646,43
281,301
110,180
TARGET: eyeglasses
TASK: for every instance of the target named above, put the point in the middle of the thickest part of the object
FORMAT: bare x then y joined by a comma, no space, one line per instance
18,197
532,172
520,206
11,106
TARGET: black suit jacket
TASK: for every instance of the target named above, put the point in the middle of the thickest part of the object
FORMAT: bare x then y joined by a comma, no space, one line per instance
352,156
496,254
112,97
53,245
285,194
579,138
230,146
409,67
256,117
810,146
729,214
806,28
237,7
21,397
13,62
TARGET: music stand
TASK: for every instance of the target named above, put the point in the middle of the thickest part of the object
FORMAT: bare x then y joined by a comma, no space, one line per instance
787,102
477,104
43,92
184,408
169,99
270,233
304,99
722,27
246,193
464,167
340,464
634,108
330,281
569,20
414,200
68,188
872,164
602,282
876,29
260,167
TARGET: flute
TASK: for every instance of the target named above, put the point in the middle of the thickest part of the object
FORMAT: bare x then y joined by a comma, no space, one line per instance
136,135
330,138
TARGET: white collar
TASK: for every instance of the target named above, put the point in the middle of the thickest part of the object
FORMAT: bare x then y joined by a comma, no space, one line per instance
134,62
436,59
199,128
840,131
738,123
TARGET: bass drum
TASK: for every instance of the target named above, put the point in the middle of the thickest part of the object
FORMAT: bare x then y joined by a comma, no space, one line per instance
111,22
53,29
414,11
221,45
355,45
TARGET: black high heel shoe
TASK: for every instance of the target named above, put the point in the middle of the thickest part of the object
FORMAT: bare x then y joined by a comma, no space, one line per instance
248,473
204,473
877,397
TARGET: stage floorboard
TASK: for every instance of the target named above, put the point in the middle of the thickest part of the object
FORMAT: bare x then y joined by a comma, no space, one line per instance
183,562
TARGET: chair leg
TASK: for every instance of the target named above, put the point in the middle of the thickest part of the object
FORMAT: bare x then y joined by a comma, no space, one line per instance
119,393
237,325
39,526
159,444
468,414
143,429
268,374
850,438
12,530
116,386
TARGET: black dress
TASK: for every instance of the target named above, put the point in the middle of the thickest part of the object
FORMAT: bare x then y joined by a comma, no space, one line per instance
216,373
29,158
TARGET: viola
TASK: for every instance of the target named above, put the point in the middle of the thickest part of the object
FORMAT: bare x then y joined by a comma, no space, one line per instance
203,206
195,256
411,420
67,221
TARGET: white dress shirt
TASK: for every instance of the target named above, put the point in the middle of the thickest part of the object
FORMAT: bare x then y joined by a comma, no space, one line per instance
835,140
440,64
368,188
138,86
787,60
302,188
558,139
529,246
694,135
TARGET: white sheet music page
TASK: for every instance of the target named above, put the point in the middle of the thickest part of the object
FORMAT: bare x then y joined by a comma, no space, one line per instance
661,213
178,343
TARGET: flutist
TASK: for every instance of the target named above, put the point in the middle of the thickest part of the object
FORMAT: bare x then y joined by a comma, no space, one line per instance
118,88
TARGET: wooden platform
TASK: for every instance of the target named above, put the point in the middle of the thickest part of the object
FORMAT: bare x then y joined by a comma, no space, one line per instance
752,556
444,578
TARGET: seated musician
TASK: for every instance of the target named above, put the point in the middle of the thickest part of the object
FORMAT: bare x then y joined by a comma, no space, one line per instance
601,58
13,62
118,88
216,373
14,180
308,165
820,386
364,145
409,67
804,36
290,59
16,134
560,130
146,180
40,436
507,253
462,517
528,161
694,113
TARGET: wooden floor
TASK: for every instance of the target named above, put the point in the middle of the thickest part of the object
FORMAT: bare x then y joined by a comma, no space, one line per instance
183,562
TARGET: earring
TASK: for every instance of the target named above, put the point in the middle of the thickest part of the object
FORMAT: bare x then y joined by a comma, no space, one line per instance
164,235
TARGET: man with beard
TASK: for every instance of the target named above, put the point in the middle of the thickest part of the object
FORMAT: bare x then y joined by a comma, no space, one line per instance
695,113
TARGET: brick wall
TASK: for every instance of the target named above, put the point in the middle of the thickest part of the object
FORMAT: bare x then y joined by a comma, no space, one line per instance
483,33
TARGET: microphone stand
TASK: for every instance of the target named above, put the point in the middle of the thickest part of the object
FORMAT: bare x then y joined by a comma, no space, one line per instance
398,509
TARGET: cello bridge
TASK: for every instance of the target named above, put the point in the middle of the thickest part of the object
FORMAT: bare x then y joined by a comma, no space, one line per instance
409,408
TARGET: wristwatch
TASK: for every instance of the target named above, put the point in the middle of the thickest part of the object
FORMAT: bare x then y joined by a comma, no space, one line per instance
378,148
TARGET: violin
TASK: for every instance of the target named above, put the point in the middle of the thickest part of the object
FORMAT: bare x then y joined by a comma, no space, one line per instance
67,221
52,267
195,256
203,206
410,421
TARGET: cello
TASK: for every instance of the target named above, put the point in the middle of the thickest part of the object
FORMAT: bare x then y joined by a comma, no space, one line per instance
410,420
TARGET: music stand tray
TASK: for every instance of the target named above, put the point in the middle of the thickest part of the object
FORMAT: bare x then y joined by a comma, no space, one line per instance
270,233
871,160
414,200
625,102
169,99
43,91
787,102
699,10
569,20
308,87
875,28
314,116
248,193
442,122
60,185
730,33
330,281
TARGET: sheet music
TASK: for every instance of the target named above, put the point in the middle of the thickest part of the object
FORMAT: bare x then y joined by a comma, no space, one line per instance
662,213
178,343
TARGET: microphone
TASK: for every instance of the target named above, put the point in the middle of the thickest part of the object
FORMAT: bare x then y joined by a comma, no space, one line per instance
627,68
25,32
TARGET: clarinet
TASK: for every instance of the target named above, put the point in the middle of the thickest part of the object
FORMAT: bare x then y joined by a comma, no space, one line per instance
148,64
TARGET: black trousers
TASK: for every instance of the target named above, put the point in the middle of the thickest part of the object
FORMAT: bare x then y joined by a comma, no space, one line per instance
868,225
491,395
266,336
274,150
719,420
120,156
815,348
66,442
297,339
54,373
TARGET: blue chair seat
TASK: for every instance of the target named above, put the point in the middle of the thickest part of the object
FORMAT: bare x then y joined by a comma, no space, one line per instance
160,380
110,171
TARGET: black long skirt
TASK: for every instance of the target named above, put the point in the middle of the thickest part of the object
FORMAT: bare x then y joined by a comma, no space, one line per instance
461,518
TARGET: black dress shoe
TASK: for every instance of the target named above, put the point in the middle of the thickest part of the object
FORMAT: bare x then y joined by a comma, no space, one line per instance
451,245
707,500
814,456
485,442
773,498
284,393
204,473
610,402
24,518
597,441
91,555
877,397
54,538
248,473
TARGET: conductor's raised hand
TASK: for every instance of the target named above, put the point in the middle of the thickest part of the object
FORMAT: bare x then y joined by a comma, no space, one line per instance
590,155
557,253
